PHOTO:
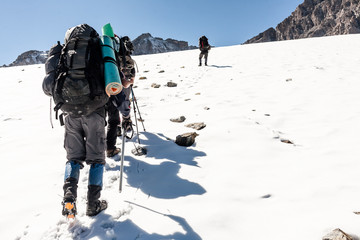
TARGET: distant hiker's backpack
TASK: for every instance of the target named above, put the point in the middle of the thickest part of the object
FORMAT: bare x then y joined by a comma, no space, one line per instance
79,86
203,43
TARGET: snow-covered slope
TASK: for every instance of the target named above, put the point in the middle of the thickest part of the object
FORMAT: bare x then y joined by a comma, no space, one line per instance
241,180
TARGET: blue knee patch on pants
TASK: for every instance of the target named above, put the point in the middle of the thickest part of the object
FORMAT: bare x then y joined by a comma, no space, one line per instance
72,169
96,174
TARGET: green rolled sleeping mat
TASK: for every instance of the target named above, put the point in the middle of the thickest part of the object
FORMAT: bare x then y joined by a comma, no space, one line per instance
113,84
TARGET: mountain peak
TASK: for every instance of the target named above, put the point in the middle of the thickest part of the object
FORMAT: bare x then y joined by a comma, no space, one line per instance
147,44
30,57
145,35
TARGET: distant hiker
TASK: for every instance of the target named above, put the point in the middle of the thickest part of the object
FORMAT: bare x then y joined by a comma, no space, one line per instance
120,102
204,47
75,81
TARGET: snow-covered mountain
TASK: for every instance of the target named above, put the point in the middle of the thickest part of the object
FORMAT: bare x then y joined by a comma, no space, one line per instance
315,18
147,44
29,58
278,158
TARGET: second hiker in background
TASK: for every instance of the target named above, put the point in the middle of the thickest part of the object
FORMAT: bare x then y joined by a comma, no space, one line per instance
120,102
204,47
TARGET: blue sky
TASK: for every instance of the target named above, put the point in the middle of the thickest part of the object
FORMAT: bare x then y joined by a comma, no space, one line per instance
38,24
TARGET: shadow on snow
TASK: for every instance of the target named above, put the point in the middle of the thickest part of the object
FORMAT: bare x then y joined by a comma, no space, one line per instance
155,175
162,180
160,147
106,227
216,66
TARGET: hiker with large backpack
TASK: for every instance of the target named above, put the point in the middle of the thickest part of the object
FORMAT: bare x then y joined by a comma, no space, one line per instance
75,80
120,102
204,47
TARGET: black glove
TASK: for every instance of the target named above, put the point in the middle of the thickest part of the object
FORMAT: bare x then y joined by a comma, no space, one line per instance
127,124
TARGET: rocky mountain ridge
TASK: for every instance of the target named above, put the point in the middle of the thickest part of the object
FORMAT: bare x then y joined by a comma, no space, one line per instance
315,18
29,58
147,44
144,44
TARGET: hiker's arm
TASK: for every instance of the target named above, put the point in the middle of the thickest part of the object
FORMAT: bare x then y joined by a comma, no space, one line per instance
122,102
129,73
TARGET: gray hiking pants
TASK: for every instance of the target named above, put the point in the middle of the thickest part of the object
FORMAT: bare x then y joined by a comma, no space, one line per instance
85,139
205,55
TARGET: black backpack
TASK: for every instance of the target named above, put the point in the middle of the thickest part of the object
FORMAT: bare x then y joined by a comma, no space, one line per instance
79,86
203,42
124,49
51,66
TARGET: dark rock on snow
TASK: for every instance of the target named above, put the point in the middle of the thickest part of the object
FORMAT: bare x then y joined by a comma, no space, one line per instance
171,84
155,85
197,126
337,234
178,120
186,139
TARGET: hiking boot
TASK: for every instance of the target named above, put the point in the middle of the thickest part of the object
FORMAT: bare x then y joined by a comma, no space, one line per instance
95,208
112,152
70,186
69,209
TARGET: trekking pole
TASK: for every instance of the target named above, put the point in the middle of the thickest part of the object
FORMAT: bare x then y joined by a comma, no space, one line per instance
51,122
138,151
122,158
136,123
134,100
